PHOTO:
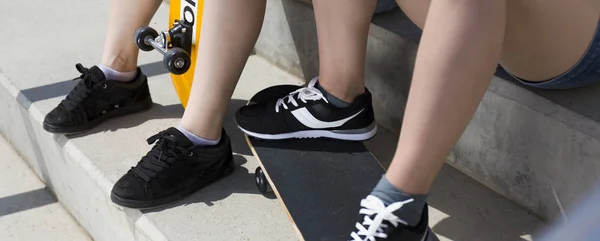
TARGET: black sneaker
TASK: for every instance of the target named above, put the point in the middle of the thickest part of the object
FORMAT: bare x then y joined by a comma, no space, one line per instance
378,223
306,113
96,99
174,169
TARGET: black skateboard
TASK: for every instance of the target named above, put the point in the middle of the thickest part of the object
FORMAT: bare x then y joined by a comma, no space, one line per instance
319,182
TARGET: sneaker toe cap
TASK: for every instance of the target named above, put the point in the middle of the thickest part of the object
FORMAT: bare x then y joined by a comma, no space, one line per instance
130,187
60,117
261,110
261,119
251,115
56,117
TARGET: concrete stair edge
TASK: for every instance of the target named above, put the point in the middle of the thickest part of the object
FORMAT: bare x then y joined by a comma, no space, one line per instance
131,225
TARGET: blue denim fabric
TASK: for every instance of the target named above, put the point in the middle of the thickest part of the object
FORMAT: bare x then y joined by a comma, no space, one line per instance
385,6
585,72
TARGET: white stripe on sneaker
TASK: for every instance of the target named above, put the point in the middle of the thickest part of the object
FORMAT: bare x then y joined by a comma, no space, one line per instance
306,118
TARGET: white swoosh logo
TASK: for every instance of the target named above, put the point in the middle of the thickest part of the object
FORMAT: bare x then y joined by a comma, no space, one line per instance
306,118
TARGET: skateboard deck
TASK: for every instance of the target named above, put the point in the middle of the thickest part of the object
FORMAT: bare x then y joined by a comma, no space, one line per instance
319,182
178,44
191,12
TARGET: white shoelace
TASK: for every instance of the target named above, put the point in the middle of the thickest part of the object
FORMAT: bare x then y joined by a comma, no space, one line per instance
307,93
374,228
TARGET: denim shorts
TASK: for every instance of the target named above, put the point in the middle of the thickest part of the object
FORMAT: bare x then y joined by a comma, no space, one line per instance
385,6
585,72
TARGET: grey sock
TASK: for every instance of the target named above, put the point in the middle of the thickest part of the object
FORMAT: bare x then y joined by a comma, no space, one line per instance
332,99
410,212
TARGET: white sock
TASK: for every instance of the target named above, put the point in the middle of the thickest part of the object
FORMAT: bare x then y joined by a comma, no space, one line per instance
198,141
116,75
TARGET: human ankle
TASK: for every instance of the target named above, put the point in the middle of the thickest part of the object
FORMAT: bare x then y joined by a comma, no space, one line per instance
198,140
410,212
119,63
113,74
340,94
208,126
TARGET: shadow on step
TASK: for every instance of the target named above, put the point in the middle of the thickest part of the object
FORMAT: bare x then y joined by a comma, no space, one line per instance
240,181
174,111
476,213
155,113
25,201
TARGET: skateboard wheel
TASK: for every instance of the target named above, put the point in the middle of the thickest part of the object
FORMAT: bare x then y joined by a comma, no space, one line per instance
177,61
261,181
140,38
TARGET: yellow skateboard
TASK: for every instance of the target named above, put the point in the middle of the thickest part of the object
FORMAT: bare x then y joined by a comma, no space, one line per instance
178,45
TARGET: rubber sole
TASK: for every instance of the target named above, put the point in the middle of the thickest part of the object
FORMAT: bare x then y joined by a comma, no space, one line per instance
178,196
127,110
347,136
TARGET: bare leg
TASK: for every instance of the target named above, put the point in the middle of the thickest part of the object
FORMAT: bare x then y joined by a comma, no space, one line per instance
120,52
226,44
462,42
230,29
119,63
457,56
342,34
460,48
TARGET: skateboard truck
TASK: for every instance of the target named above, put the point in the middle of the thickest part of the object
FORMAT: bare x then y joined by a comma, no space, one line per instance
174,44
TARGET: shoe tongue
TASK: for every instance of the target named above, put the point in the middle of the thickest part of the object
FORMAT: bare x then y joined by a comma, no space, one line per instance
97,74
179,138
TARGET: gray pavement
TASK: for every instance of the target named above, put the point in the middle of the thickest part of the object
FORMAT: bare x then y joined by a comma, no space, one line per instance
28,212
40,68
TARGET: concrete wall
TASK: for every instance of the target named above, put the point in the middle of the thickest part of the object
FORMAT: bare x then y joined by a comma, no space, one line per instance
537,148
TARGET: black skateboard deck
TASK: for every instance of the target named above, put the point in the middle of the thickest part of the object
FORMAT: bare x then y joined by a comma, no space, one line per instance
319,182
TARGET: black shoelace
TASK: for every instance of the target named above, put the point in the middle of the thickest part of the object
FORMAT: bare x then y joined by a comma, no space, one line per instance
162,155
82,90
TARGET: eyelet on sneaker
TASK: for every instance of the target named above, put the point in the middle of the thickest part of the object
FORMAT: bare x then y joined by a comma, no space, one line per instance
191,154
104,86
116,106
103,112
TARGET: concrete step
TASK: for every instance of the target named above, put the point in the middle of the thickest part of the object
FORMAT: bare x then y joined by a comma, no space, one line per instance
538,148
27,209
81,170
